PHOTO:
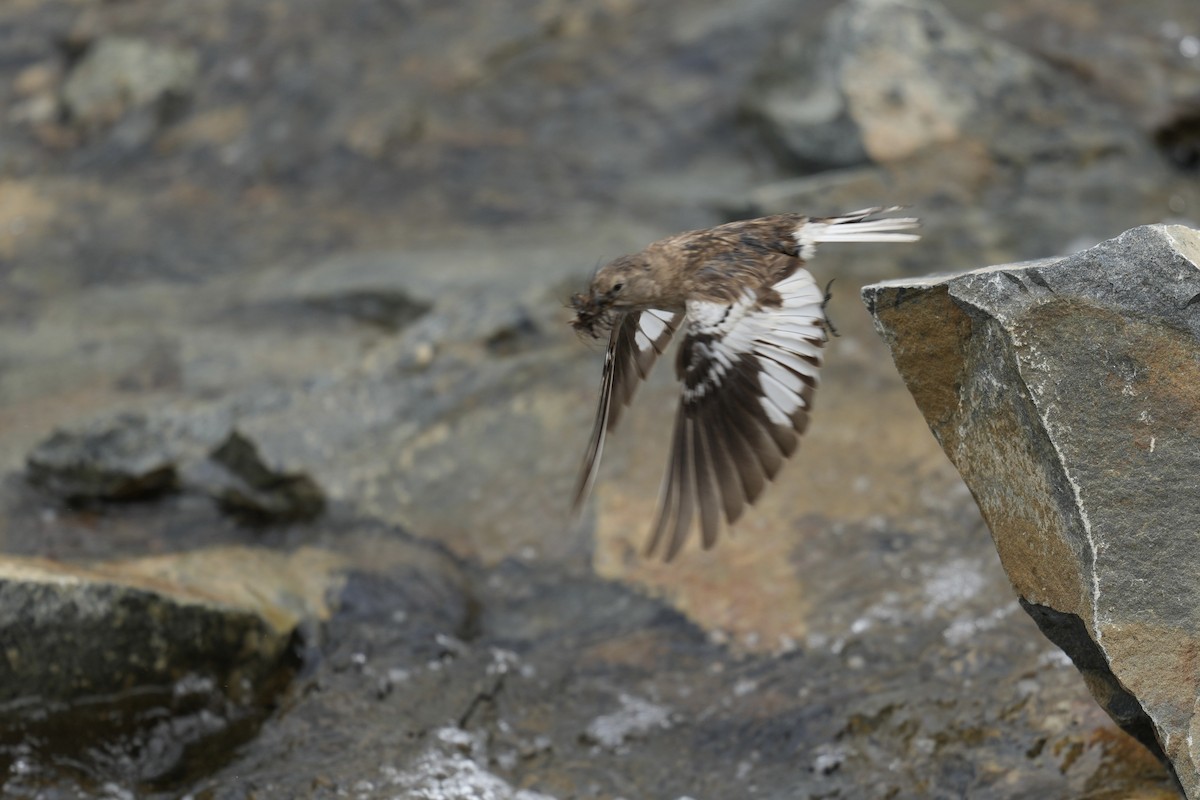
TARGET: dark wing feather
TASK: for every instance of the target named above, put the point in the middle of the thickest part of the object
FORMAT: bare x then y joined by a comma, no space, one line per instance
749,369
637,339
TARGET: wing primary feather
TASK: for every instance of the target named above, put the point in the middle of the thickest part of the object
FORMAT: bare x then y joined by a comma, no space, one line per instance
804,369
625,364
706,494
746,463
786,439
632,361
591,457
685,487
667,495
740,399
716,432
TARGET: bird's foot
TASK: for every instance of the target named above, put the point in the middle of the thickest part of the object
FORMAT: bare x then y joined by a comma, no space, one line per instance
828,322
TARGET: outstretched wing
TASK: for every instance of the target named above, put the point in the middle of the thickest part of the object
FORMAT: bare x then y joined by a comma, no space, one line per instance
637,339
749,370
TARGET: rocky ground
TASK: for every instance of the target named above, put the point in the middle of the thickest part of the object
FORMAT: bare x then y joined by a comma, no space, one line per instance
289,280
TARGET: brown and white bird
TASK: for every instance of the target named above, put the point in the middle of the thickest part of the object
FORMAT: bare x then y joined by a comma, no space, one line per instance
754,327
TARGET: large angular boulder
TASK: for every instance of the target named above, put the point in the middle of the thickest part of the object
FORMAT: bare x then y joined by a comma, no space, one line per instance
1067,393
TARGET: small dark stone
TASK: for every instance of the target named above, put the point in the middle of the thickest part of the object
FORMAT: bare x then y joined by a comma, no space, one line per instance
512,339
1179,138
250,489
390,310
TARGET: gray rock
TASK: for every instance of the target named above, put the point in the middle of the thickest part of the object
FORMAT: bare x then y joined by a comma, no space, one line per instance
810,125
138,457
118,74
1065,392
894,77
121,458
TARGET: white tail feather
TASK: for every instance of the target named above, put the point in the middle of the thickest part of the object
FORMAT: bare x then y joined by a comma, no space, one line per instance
855,227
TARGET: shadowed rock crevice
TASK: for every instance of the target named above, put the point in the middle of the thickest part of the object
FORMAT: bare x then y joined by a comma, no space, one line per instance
1068,632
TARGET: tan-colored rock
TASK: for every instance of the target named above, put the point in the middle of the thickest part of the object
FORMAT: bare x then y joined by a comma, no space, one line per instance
1067,393
36,79
25,214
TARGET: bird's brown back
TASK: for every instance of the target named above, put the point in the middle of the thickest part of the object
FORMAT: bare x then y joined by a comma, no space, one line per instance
718,264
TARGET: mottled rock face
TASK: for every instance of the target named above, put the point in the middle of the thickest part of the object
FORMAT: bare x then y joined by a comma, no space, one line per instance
894,77
118,74
1066,393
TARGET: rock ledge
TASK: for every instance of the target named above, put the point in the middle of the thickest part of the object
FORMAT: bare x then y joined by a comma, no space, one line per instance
1067,393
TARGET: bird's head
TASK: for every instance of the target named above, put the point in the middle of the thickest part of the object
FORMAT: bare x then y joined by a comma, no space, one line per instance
624,284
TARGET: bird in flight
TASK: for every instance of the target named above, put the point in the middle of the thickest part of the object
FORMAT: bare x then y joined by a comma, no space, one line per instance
754,325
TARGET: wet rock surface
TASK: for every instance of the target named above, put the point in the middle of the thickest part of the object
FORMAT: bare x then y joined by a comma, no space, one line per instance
1062,390
352,243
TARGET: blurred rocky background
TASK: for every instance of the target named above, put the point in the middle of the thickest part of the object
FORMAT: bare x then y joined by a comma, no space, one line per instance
290,413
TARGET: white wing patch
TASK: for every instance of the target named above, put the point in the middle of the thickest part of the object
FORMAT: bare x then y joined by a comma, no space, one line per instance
749,369
654,322
719,335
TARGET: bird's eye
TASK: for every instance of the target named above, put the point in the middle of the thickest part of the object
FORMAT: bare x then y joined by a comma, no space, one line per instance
616,287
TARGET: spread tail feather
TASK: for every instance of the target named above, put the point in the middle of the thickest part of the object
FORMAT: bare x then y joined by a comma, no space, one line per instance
855,227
